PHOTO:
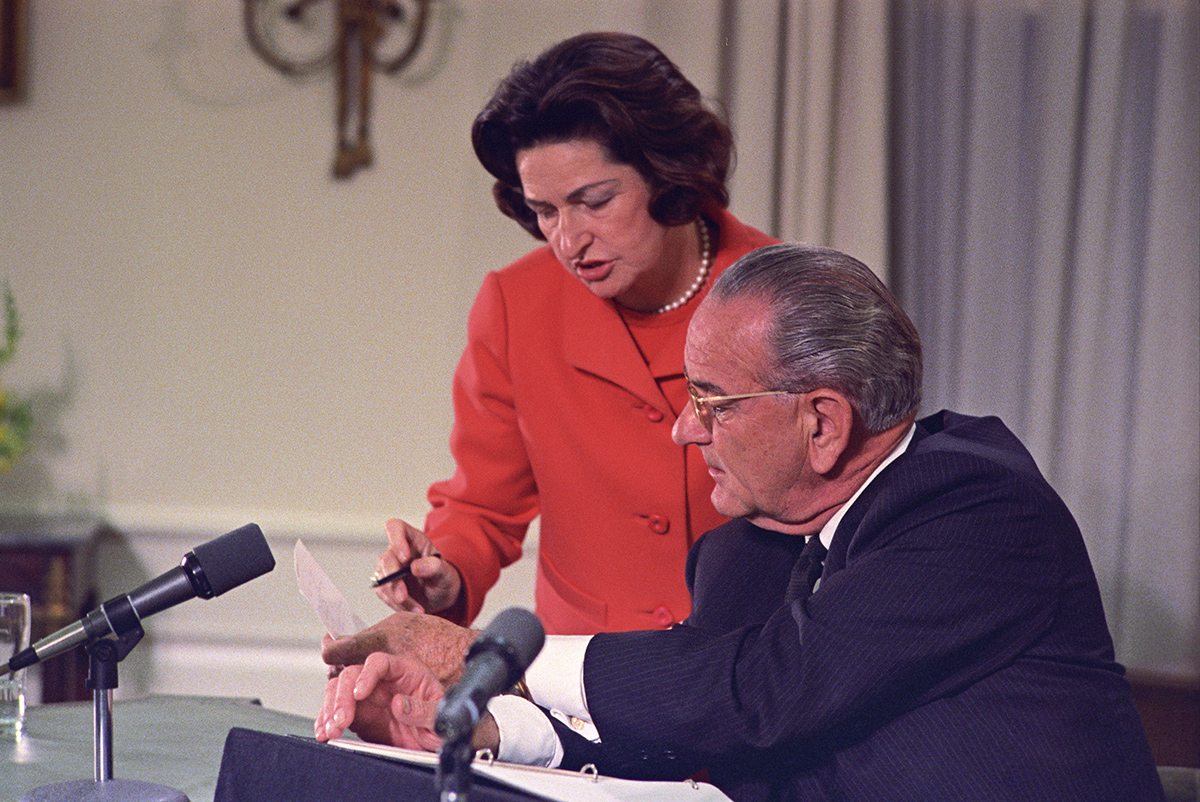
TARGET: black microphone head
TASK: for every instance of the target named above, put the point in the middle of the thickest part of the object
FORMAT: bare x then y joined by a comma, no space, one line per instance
495,661
518,631
234,558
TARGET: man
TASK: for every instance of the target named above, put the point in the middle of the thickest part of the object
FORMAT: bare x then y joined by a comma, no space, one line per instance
955,646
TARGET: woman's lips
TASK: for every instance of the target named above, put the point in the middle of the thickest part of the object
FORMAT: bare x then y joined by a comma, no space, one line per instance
593,271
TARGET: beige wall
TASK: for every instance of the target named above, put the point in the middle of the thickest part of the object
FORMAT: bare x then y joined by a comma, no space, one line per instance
214,322
216,332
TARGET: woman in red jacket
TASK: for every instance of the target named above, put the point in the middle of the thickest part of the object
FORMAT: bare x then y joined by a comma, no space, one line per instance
573,370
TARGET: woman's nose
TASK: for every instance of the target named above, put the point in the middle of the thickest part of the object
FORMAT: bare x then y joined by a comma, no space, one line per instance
572,235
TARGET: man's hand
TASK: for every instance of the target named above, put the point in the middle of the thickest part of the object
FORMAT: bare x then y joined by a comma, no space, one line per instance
388,699
432,641
432,585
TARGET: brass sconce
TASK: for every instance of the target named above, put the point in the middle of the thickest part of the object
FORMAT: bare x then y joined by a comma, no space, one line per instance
298,37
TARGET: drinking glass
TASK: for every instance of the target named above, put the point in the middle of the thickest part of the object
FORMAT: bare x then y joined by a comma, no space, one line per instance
14,637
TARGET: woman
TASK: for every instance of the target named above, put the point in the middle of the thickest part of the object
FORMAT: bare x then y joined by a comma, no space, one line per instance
573,371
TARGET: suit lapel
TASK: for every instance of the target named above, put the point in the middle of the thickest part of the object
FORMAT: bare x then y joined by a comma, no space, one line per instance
596,341
588,322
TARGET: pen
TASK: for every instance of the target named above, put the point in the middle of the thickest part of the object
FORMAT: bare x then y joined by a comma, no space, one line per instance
392,577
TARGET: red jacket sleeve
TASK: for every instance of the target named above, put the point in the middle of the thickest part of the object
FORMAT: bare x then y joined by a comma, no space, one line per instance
480,515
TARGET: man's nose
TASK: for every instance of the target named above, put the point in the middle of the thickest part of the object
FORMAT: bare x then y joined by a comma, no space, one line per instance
688,428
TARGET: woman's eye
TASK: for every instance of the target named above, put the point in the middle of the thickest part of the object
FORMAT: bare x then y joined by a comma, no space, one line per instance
597,203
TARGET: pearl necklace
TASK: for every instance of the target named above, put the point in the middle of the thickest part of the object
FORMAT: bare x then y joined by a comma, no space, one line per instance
705,263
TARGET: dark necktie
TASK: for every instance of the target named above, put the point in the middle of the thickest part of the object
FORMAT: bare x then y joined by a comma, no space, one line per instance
807,569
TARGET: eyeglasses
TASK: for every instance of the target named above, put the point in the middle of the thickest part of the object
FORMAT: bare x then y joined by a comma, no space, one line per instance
703,405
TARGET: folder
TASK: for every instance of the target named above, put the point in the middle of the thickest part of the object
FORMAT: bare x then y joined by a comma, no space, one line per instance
262,767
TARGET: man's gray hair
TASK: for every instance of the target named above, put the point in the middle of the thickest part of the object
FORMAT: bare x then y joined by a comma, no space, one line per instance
835,325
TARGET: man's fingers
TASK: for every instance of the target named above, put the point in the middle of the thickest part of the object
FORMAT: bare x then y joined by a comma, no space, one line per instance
344,700
353,650
414,712
334,669
377,668
338,705
418,541
321,722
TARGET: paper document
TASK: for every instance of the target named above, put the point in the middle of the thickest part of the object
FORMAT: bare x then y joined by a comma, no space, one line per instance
328,602
556,784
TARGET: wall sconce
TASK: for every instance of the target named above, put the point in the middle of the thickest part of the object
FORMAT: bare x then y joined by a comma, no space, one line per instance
298,37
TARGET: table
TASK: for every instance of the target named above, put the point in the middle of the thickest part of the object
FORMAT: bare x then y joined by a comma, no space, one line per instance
179,742
176,741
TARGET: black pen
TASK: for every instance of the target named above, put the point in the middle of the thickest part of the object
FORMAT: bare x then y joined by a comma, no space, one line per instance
392,577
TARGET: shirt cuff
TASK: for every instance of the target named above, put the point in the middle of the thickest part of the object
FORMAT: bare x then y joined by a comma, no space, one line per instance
526,735
555,679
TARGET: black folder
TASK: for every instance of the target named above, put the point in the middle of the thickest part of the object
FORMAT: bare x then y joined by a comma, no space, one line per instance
261,767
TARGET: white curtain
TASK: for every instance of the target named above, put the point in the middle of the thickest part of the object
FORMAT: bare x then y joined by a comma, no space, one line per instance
1045,226
805,81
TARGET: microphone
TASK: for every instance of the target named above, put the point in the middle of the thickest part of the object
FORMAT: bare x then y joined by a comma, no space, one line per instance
207,571
495,661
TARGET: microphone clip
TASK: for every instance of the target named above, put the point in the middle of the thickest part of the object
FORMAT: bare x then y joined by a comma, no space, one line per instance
106,653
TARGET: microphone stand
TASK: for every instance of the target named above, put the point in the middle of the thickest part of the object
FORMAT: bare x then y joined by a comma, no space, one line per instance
105,654
454,768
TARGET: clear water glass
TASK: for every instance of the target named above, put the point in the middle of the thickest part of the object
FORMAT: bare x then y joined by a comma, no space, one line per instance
15,620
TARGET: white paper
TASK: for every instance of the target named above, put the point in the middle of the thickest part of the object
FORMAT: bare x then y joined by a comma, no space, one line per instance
326,600
556,784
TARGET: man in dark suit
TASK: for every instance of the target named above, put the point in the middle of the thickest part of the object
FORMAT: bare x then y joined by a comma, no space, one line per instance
954,645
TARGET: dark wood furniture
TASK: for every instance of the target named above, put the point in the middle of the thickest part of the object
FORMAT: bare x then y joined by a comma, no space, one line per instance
1170,711
50,558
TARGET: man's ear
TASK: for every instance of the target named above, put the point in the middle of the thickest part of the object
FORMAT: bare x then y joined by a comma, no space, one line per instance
833,417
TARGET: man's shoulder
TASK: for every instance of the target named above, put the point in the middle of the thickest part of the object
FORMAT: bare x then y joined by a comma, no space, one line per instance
947,435
954,463
963,481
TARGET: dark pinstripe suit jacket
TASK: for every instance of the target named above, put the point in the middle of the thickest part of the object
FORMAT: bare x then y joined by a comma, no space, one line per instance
956,648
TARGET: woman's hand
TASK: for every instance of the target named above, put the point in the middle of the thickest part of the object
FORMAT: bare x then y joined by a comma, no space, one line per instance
388,699
432,584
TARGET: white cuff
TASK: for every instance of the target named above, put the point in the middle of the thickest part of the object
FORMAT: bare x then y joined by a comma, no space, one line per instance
526,735
555,679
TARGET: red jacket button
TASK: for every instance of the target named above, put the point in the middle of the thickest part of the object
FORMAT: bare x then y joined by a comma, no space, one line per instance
659,524
663,617
653,414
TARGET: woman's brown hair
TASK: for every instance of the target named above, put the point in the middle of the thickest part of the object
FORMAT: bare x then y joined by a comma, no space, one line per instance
622,92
